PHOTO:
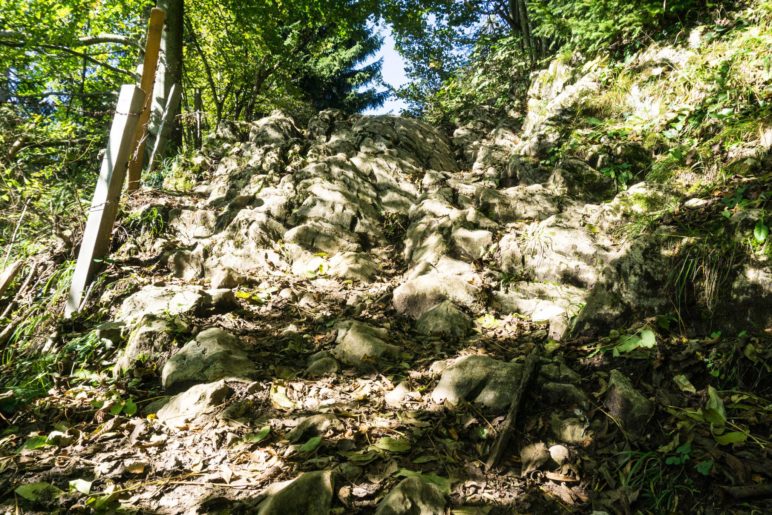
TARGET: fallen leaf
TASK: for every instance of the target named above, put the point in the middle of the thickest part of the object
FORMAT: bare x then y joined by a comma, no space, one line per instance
37,492
80,485
390,444
311,444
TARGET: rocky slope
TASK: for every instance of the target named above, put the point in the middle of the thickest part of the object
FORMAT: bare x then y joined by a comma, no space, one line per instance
332,318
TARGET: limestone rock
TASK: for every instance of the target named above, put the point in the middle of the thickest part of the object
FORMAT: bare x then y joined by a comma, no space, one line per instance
309,494
480,379
353,265
151,341
413,496
213,355
578,180
628,405
428,285
195,402
559,372
362,346
444,320
322,366
518,203
563,394
542,302
163,301
472,244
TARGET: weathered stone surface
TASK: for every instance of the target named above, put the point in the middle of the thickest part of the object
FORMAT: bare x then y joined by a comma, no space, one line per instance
444,320
150,342
557,250
213,355
321,367
542,302
518,203
187,265
356,266
578,180
163,301
413,496
363,346
479,379
192,224
195,402
563,394
427,285
559,372
628,405
472,244
309,494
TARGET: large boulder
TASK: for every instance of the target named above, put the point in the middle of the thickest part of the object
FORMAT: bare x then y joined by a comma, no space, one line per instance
444,320
628,405
363,346
193,404
164,301
149,344
479,379
213,355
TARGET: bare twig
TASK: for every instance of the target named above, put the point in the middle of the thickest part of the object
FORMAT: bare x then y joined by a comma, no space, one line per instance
505,435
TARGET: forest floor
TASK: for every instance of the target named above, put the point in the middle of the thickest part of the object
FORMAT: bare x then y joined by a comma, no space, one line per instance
336,317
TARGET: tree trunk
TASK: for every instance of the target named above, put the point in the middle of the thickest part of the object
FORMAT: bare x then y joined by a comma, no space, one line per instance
169,68
525,27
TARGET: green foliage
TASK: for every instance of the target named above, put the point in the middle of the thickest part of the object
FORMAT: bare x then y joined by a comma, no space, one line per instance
591,25
492,85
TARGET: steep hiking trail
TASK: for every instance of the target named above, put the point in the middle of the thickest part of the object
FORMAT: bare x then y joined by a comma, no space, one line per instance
335,318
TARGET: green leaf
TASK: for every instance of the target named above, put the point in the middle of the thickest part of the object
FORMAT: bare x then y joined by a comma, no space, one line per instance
731,438
259,436
129,408
116,408
684,384
36,442
36,492
704,467
390,444
311,444
80,485
362,457
714,409
760,232
648,339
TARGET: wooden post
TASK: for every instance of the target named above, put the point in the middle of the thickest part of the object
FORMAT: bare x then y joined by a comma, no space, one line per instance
104,205
152,47
167,123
